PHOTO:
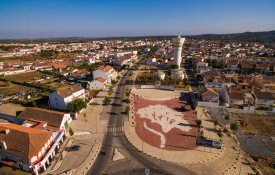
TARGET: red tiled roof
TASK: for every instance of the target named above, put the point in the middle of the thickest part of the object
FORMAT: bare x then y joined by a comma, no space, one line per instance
101,79
23,141
235,95
68,90
264,95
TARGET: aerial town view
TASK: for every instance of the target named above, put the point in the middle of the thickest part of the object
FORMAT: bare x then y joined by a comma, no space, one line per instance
137,87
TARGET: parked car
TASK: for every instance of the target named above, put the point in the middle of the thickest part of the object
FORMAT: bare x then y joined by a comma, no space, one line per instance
74,148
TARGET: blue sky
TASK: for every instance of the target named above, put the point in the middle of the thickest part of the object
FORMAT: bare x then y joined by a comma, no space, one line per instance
96,18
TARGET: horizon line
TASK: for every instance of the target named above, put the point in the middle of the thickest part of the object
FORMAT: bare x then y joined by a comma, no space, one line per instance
125,36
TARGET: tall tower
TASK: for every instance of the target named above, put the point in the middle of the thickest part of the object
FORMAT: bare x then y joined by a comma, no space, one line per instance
177,43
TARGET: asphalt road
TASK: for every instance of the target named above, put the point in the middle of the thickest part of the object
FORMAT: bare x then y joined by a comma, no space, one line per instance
135,162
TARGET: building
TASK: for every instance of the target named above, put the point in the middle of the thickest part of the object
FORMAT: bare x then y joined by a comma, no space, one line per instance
98,83
123,60
50,118
177,43
106,72
233,96
263,99
60,99
209,95
26,148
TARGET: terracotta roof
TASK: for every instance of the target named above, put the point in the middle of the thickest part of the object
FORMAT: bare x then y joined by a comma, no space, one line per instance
23,141
43,115
232,62
246,64
210,92
235,95
68,90
101,79
105,68
264,95
262,66
59,65
210,73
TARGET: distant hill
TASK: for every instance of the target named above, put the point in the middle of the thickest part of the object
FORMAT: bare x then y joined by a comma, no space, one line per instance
266,37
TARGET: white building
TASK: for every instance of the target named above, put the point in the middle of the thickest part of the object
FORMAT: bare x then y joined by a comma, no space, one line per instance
98,83
177,43
123,60
106,72
119,54
60,99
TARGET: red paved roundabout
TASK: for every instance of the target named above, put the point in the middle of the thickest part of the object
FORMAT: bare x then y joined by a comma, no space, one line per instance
150,125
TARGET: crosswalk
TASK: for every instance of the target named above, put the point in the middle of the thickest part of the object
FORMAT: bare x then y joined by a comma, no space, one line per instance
114,129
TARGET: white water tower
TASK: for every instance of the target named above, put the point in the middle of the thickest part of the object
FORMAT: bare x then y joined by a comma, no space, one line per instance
177,43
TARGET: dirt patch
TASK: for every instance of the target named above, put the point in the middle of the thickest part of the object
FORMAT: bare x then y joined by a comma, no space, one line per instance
29,76
265,165
256,124
10,88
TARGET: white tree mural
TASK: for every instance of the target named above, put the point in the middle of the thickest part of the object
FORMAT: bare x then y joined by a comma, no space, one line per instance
166,117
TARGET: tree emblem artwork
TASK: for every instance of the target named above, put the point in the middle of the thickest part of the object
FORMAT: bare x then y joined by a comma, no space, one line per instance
164,116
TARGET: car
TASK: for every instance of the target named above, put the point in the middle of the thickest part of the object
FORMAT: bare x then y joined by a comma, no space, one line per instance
102,153
74,148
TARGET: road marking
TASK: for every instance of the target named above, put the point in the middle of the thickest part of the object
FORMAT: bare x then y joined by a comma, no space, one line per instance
114,129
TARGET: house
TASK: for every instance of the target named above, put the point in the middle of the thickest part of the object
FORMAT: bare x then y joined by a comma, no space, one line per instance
263,99
59,66
98,83
262,67
50,118
214,79
202,67
233,96
42,66
26,148
106,72
122,60
209,95
232,65
60,99
246,64
89,60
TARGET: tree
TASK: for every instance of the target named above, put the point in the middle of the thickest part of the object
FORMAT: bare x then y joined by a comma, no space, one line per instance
199,122
8,83
127,110
225,130
200,77
219,133
71,131
234,126
106,101
227,117
76,105
216,122
33,103
127,101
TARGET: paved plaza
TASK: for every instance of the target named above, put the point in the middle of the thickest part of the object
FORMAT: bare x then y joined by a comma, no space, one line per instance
163,125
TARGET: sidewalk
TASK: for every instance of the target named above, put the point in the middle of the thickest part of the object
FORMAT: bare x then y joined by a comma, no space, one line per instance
89,130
